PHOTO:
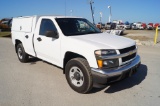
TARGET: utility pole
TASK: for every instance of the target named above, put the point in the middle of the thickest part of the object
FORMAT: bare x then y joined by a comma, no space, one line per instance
91,2
110,13
100,17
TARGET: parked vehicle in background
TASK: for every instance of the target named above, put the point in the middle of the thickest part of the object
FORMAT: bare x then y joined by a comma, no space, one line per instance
4,24
155,25
120,26
115,31
151,24
100,25
139,26
134,26
131,25
149,27
127,25
108,25
117,21
144,25
113,25
159,27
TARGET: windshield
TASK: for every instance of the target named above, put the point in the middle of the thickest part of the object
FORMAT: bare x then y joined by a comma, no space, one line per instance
76,26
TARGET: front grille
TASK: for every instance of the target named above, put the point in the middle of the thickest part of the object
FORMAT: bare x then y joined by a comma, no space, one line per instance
126,50
128,57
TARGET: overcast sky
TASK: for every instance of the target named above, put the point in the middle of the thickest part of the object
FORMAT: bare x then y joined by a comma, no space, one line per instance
125,10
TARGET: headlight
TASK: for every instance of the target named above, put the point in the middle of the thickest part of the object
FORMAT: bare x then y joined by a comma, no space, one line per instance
105,52
106,63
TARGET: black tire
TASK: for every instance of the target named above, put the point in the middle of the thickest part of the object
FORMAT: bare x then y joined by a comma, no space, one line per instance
78,75
22,55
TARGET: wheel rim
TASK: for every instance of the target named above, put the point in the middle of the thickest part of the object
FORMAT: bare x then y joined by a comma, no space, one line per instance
20,53
76,76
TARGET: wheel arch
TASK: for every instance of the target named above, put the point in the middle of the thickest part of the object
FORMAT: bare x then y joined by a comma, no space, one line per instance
68,56
16,43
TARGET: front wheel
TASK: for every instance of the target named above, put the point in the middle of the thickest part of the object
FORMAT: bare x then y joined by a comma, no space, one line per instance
22,55
78,75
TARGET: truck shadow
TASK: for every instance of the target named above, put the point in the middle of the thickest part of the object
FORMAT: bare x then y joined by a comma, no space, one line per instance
123,34
127,83
33,60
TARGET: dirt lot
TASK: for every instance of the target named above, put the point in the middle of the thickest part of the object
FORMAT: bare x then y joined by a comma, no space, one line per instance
143,37
140,34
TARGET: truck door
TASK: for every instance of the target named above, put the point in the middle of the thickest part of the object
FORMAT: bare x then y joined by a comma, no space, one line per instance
47,48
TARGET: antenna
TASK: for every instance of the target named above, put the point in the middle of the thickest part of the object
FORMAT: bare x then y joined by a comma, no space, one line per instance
71,11
65,7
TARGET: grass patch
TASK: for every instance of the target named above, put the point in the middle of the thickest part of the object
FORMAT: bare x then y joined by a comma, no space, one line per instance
5,34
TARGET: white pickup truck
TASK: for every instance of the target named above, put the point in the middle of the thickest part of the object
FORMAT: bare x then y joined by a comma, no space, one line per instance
86,54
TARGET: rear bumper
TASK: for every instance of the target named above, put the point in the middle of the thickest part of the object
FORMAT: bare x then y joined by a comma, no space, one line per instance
111,75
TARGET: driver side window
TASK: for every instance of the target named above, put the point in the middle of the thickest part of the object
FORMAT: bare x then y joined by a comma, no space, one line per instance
46,25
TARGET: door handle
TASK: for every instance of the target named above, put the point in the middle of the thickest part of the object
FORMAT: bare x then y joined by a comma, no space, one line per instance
39,39
27,36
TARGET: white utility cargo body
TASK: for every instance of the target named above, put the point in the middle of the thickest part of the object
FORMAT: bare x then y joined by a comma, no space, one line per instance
86,54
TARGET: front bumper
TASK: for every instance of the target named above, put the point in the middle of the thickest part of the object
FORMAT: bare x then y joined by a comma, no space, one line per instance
103,76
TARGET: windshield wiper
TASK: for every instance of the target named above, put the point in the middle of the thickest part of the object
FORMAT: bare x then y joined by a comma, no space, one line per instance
92,32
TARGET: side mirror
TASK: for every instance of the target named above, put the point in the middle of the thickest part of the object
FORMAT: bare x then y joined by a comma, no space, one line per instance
52,34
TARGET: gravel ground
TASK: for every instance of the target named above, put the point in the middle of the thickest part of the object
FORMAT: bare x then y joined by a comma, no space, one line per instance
38,83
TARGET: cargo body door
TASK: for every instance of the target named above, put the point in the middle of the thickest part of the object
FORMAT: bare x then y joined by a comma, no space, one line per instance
28,28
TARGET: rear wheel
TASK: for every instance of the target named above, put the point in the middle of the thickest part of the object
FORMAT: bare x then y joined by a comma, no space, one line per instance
22,55
78,75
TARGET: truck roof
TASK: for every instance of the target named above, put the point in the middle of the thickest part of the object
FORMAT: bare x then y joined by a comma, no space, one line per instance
29,22
54,16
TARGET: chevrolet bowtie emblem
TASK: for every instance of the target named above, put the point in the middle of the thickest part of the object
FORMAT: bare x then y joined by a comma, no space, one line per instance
131,52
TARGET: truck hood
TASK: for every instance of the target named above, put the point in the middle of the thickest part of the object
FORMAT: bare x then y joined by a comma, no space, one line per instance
104,41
